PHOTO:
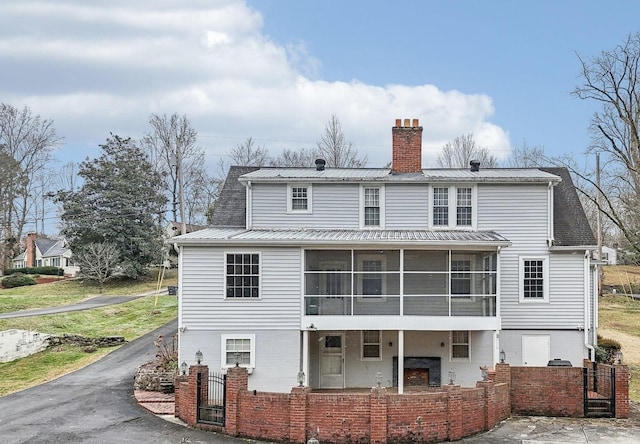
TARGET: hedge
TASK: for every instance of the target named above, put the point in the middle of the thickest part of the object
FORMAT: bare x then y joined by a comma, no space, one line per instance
18,280
49,271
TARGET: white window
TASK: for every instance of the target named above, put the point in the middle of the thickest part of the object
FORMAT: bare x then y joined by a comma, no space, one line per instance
460,345
453,207
464,207
460,275
371,345
534,279
372,283
242,275
372,207
299,198
238,350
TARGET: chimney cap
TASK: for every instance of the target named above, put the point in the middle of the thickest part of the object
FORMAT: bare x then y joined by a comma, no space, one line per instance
320,163
475,165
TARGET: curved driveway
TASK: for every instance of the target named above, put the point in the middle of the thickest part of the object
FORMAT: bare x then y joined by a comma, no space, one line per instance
95,405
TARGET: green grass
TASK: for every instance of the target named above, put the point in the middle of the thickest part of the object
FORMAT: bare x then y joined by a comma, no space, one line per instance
74,290
131,320
620,313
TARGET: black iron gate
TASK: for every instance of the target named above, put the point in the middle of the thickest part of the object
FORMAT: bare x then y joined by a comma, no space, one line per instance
211,398
599,391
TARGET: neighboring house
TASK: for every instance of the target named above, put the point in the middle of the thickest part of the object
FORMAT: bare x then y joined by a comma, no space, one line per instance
45,252
410,276
609,255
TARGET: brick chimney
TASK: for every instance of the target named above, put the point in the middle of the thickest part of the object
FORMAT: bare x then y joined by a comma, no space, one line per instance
30,250
407,147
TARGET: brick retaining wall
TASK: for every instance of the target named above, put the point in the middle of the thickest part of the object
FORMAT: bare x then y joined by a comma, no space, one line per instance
382,417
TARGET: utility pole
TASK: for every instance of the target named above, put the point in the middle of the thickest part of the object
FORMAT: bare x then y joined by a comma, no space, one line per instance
599,223
183,227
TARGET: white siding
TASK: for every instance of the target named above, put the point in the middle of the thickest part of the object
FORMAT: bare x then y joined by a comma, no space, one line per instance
277,359
334,205
204,305
567,345
407,207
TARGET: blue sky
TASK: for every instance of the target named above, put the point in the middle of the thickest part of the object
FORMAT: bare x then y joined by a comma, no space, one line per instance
276,70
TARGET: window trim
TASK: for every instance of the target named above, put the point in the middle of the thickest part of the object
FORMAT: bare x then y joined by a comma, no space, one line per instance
359,278
290,188
468,344
452,205
252,350
362,345
226,276
381,203
545,277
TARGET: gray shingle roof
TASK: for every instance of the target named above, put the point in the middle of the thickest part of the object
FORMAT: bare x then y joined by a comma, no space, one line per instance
230,208
571,227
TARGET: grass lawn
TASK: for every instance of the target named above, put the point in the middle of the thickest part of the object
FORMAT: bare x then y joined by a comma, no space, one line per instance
70,291
131,320
619,319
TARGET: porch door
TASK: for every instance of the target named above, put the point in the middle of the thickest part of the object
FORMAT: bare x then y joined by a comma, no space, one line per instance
332,361
536,350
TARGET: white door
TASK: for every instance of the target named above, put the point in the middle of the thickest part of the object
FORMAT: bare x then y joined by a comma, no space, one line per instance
332,361
536,350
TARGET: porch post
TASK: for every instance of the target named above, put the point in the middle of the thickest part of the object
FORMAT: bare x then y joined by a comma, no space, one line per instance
305,356
400,362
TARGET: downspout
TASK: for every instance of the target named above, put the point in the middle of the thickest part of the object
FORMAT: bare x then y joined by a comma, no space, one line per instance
249,202
587,305
550,238
181,327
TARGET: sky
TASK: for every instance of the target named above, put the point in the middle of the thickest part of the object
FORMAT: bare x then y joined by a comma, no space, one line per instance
277,70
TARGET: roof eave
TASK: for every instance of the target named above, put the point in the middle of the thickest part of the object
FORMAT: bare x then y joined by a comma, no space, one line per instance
324,242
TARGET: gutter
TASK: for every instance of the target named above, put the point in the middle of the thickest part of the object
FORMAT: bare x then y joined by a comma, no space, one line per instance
587,306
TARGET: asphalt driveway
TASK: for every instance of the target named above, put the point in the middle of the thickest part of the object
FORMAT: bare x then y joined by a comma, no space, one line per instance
95,405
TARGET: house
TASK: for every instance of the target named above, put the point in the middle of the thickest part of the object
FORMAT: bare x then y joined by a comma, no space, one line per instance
609,255
403,276
46,252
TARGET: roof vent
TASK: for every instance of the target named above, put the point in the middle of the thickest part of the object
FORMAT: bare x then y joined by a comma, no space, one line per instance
320,163
475,165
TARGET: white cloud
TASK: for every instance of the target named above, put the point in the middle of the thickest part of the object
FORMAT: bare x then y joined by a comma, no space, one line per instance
100,67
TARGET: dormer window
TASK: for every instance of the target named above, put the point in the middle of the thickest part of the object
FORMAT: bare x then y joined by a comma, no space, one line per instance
453,207
299,198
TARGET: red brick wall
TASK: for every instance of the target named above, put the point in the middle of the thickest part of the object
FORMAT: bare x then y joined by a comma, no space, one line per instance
622,391
473,401
547,391
418,417
264,415
339,418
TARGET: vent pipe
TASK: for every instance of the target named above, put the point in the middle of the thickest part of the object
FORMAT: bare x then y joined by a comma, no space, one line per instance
475,165
320,163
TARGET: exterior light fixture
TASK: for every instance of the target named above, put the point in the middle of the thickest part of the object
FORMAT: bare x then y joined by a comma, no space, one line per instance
300,378
484,371
237,355
198,357
503,356
183,368
619,357
379,379
452,377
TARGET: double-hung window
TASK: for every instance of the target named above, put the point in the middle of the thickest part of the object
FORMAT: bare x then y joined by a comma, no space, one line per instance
299,198
441,207
371,349
242,275
453,206
372,207
460,345
238,350
534,279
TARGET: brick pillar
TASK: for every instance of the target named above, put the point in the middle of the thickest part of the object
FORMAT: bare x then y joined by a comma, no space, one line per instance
187,395
378,420
490,403
503,374
454,412
237,381
181,389
298,414
622,391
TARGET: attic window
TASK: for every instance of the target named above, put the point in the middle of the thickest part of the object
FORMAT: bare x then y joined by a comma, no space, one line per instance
299,198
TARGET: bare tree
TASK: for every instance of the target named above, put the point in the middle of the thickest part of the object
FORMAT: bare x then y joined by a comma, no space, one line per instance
248,154
526,156
98,261
172,144
462,150
334,148
29,140
302,158
612,80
